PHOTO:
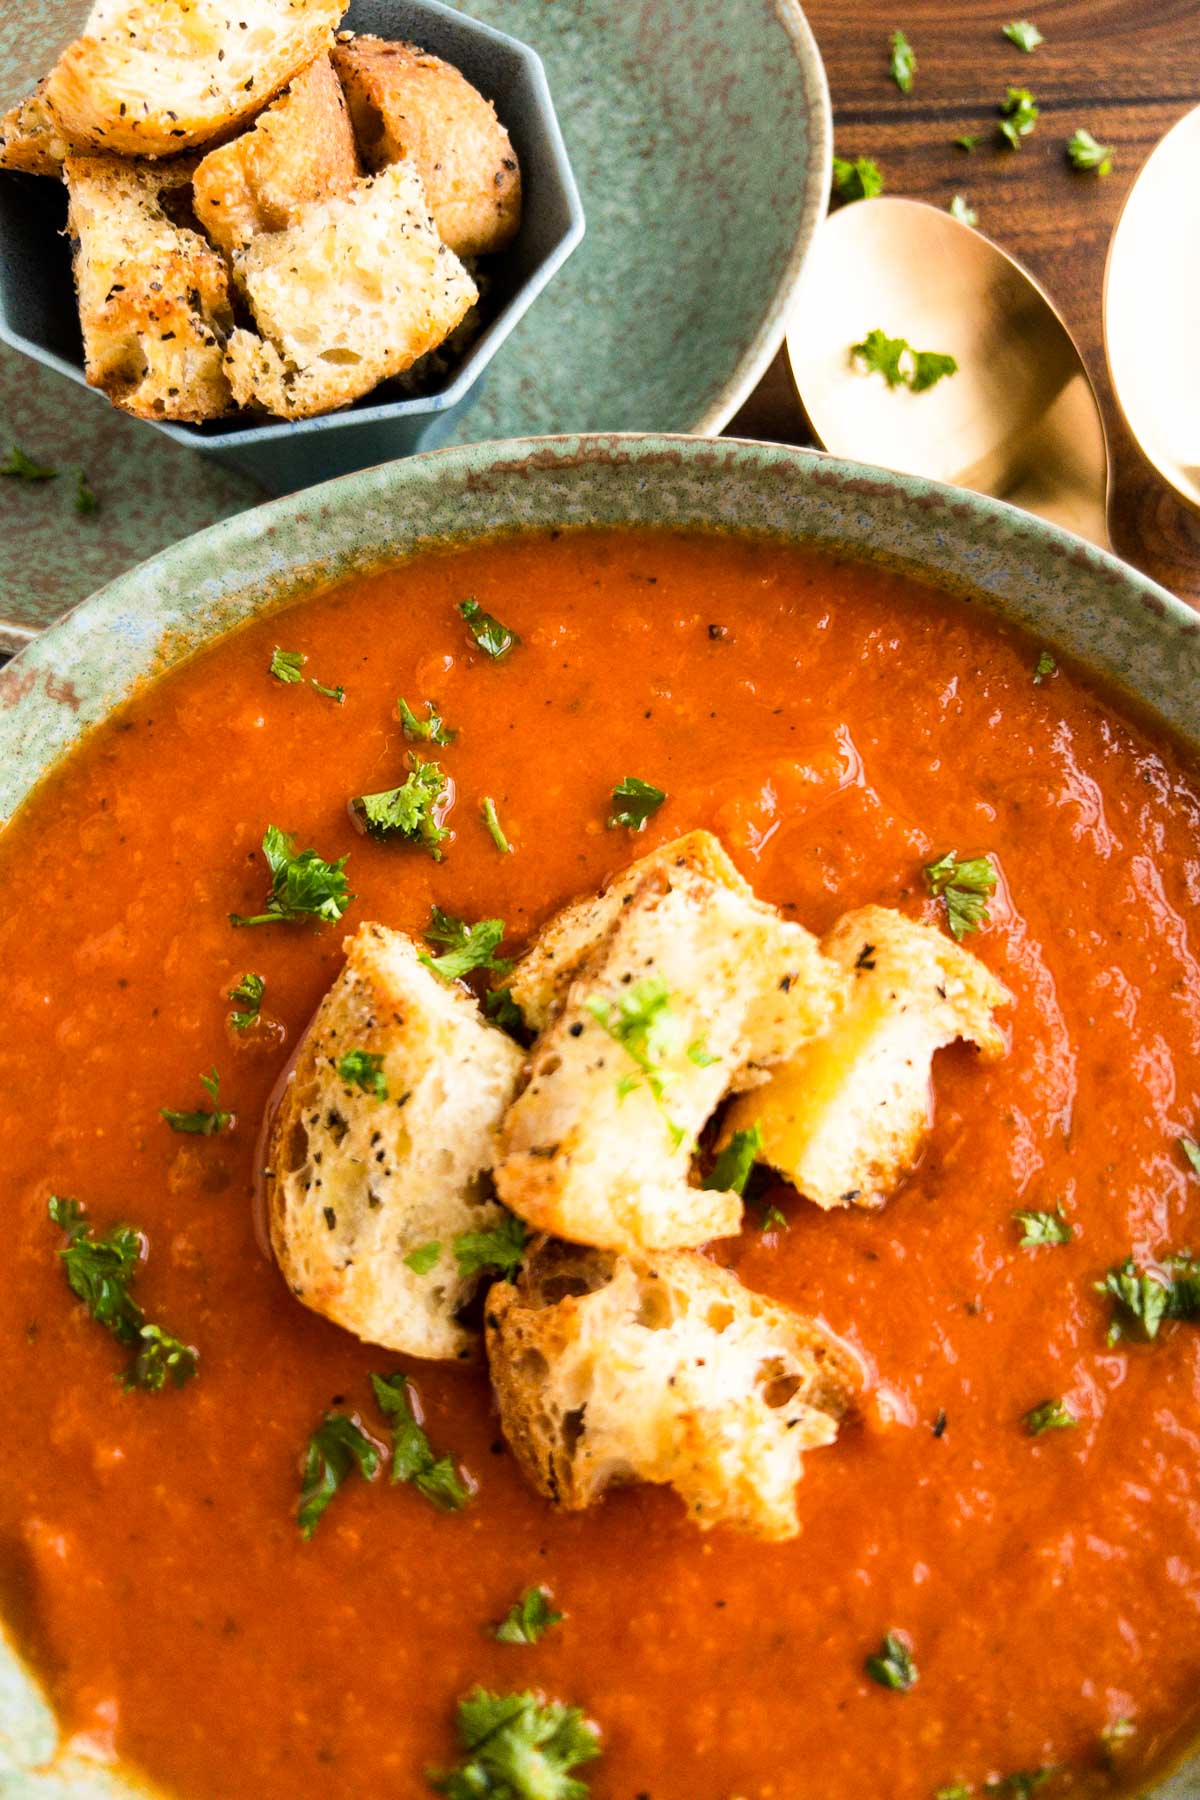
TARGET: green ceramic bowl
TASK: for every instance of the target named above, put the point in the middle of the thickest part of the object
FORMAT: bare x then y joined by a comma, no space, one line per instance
1110,619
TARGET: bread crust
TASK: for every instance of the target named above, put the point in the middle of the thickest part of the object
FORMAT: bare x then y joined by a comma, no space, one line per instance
409,104
356,1182
153,295
351,293
31,138
845,1118
300,150
155,77
665,1369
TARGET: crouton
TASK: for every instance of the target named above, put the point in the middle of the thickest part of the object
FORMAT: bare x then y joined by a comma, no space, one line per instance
154,77
30,137
153,295
406,103
301,149
372,1161
845,1117
355,290
663,1369
693,987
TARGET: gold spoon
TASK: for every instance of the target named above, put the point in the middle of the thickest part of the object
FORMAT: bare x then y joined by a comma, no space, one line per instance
1020,419
1150,289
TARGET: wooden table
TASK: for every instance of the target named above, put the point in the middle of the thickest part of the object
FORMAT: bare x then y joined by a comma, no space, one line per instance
1125,69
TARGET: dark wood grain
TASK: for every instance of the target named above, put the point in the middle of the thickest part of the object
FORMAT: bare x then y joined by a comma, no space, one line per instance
1125,69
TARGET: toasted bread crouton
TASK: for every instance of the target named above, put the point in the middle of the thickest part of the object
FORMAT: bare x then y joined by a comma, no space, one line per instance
364,1170
693,988
845,1117
355,290
664,1369
406,103
31,139
301,149
153,295
154,77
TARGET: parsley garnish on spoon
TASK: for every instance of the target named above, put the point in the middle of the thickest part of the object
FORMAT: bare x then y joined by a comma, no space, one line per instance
900,365
303,885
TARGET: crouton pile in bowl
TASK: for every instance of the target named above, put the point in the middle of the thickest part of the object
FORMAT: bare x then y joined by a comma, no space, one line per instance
269,216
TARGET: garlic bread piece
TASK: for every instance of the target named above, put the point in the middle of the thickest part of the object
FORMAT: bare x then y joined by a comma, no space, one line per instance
299,150
665,1369
154,77
406,103
31,138
379,1156
844,1118
695,987
153,295
353,291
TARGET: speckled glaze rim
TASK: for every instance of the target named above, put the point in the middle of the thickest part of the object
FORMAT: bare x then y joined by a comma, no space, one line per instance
1118,626
818,178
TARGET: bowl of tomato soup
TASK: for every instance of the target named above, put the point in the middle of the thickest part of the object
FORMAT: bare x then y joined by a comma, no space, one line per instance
842,674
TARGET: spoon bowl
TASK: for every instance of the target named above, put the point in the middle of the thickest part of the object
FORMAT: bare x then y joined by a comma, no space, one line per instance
1019,420
1150,289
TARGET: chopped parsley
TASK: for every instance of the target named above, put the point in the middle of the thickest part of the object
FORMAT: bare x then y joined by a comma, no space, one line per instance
411,812
432,730
903,65
1114,1736
900,365
731,1171
336,1448
1051,1415
893,1667
502,1247
634,802
437,1478
24,468
85,496
964,888
467,946
100,1271
967,142
1044,667
1083,152
958,1790
1025,36
527,1619
1021,1786
330,693
492,821
1143,1298
961,209
248,992
363,1069
857,180
642,1023
773,1220
1038,1228
302,886
1018,116
503,1010
423,1259
1191,1149
493,638
205,1121
518,1747
287,665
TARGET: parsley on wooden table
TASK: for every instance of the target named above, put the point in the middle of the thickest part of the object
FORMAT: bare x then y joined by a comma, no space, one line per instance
493,638
413,1457
100,1272
634,801
1018,116
893,1666
857,180
731,1171
431,730
1083,152
467,947
363,1069
412,812
336,1448
303,885
518,1747
963,211
1025,36
528,1618
205,1121
900,365
903,64
500,1248
963,887
247,991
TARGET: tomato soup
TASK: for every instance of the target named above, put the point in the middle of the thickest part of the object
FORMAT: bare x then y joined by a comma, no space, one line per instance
838,726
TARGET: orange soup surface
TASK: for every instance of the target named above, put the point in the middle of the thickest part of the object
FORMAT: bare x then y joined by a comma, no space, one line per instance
838,726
